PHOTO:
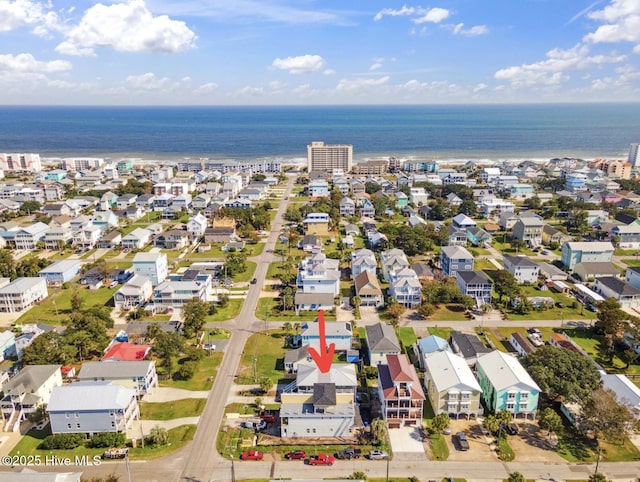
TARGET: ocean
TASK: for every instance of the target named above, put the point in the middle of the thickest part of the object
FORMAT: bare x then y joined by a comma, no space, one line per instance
526,131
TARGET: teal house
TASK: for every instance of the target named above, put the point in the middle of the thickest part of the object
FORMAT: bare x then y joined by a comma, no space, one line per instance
401,200
506,385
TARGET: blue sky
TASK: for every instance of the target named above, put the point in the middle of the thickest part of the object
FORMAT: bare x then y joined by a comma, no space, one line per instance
222,52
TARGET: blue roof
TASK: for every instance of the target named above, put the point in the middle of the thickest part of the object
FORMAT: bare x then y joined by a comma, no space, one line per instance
432,343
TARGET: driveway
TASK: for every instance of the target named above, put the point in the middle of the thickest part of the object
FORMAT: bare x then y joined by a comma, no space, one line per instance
479,444
369,316
406,443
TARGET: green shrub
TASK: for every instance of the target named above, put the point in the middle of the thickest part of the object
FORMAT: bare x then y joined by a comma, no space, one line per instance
107,440
62,441
186,370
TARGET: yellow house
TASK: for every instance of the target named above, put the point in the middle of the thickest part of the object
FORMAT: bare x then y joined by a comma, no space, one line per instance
316,223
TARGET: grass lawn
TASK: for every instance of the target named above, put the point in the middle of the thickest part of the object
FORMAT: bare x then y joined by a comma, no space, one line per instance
625,252
268,349
505,452
228,312
442,332
506,248
407,336
247,275
57,306
204,376
188,407
631,262
269,309
178,437
449,312
590,343
437,442
573,447
567,313
482,264
477,251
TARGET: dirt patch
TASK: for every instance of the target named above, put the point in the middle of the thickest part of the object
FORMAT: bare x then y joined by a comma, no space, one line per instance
532,444
479,444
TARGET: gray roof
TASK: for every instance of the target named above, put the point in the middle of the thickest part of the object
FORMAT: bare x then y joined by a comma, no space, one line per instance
295,355
618,286
110,370
521,261
88,396
469,345
61,266
324,299
382,338
456,252
20,285
597,268
324,394
474,277
31,377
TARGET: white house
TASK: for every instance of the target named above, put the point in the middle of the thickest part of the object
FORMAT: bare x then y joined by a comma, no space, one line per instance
522,268
152,265
197,225
319,274
136,239
21,294
134,292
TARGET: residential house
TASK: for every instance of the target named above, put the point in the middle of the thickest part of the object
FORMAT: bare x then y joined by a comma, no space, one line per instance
223,230
125,201
177,293
451,386
551,272
319,404
632,276
318,188
7,345
347,207
201,201
455,258
352,229
489,205
521,344
293,359
368,289
426,272
111,240
521,191
313,301
21,294
319,274
529,230
490,175
29,389
475,284
238,203
125,351
363,260
626,392
173,239
92,407
456,236
134,292
348,242
337,332
522,268
418,196
405,288
60,222
107,201
553,235
462,221
87,237
611,287
626,237
136,239
427,346
597,216
400,393
152,265
366,209
58,238
28,237
453,199
506,385
478,237
392,261
575,252
132,213
316,223
197,225
381,341
138,375
29,332
105,220
592,271
467,346
60,271
310,243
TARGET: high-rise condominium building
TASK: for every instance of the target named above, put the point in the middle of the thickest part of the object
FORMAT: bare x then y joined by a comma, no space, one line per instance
633,154
326,157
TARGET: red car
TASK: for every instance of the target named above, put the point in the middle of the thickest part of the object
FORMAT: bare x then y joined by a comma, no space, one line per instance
269,418
321,459
252,455
296,454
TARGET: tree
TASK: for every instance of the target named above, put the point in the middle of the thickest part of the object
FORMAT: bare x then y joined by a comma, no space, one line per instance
491,423
7,264
611,318
378,430
287,327
426,310
265,384
76,300
194,313
107,439
505,417
468,207
358,475
158,436
550,420
599,477
516,477
563,373
167,346
30,207
235,263
46,349
505,284
440,422
606,417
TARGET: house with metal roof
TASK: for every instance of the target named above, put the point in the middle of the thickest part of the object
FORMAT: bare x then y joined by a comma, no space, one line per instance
506,385
139,375
451,386
338,332
427,346
475,284
400,392
381,341
21,294
92,407
60,271
455,258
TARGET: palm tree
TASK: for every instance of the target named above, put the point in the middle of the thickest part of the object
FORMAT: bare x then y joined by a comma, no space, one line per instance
378,430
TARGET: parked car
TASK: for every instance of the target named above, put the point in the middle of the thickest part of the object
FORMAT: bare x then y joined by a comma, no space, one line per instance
252,455
348,454
209,346
268,417
512,429
254,281
113,284
321,459
378,455
115,453
462,441
296,455
560,304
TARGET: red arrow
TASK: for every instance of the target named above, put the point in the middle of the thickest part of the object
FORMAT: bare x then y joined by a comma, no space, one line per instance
325,357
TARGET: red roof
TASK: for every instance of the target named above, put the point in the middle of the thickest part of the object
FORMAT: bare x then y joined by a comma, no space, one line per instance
65,369
127,352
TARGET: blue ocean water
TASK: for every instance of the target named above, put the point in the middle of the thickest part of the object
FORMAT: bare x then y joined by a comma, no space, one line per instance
424,131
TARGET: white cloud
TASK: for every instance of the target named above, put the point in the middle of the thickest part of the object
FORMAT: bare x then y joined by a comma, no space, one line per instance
479,88
206,88
470,32
252,91
328,72
20,13
277,85
26,63
305,90
621,19
552,71
302,64
360,85
394,13
147,81
376,66
435,15
126,27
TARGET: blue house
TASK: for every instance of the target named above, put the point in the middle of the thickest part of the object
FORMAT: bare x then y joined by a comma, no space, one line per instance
61,271
56,175
339,333
7,344
478,236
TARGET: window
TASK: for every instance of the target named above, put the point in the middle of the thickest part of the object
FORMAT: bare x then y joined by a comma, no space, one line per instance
66,415
77,425
77,414
511,406
511,395
465,396
524,395
69,426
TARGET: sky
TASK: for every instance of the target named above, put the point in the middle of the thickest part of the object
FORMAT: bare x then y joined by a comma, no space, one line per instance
316,52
